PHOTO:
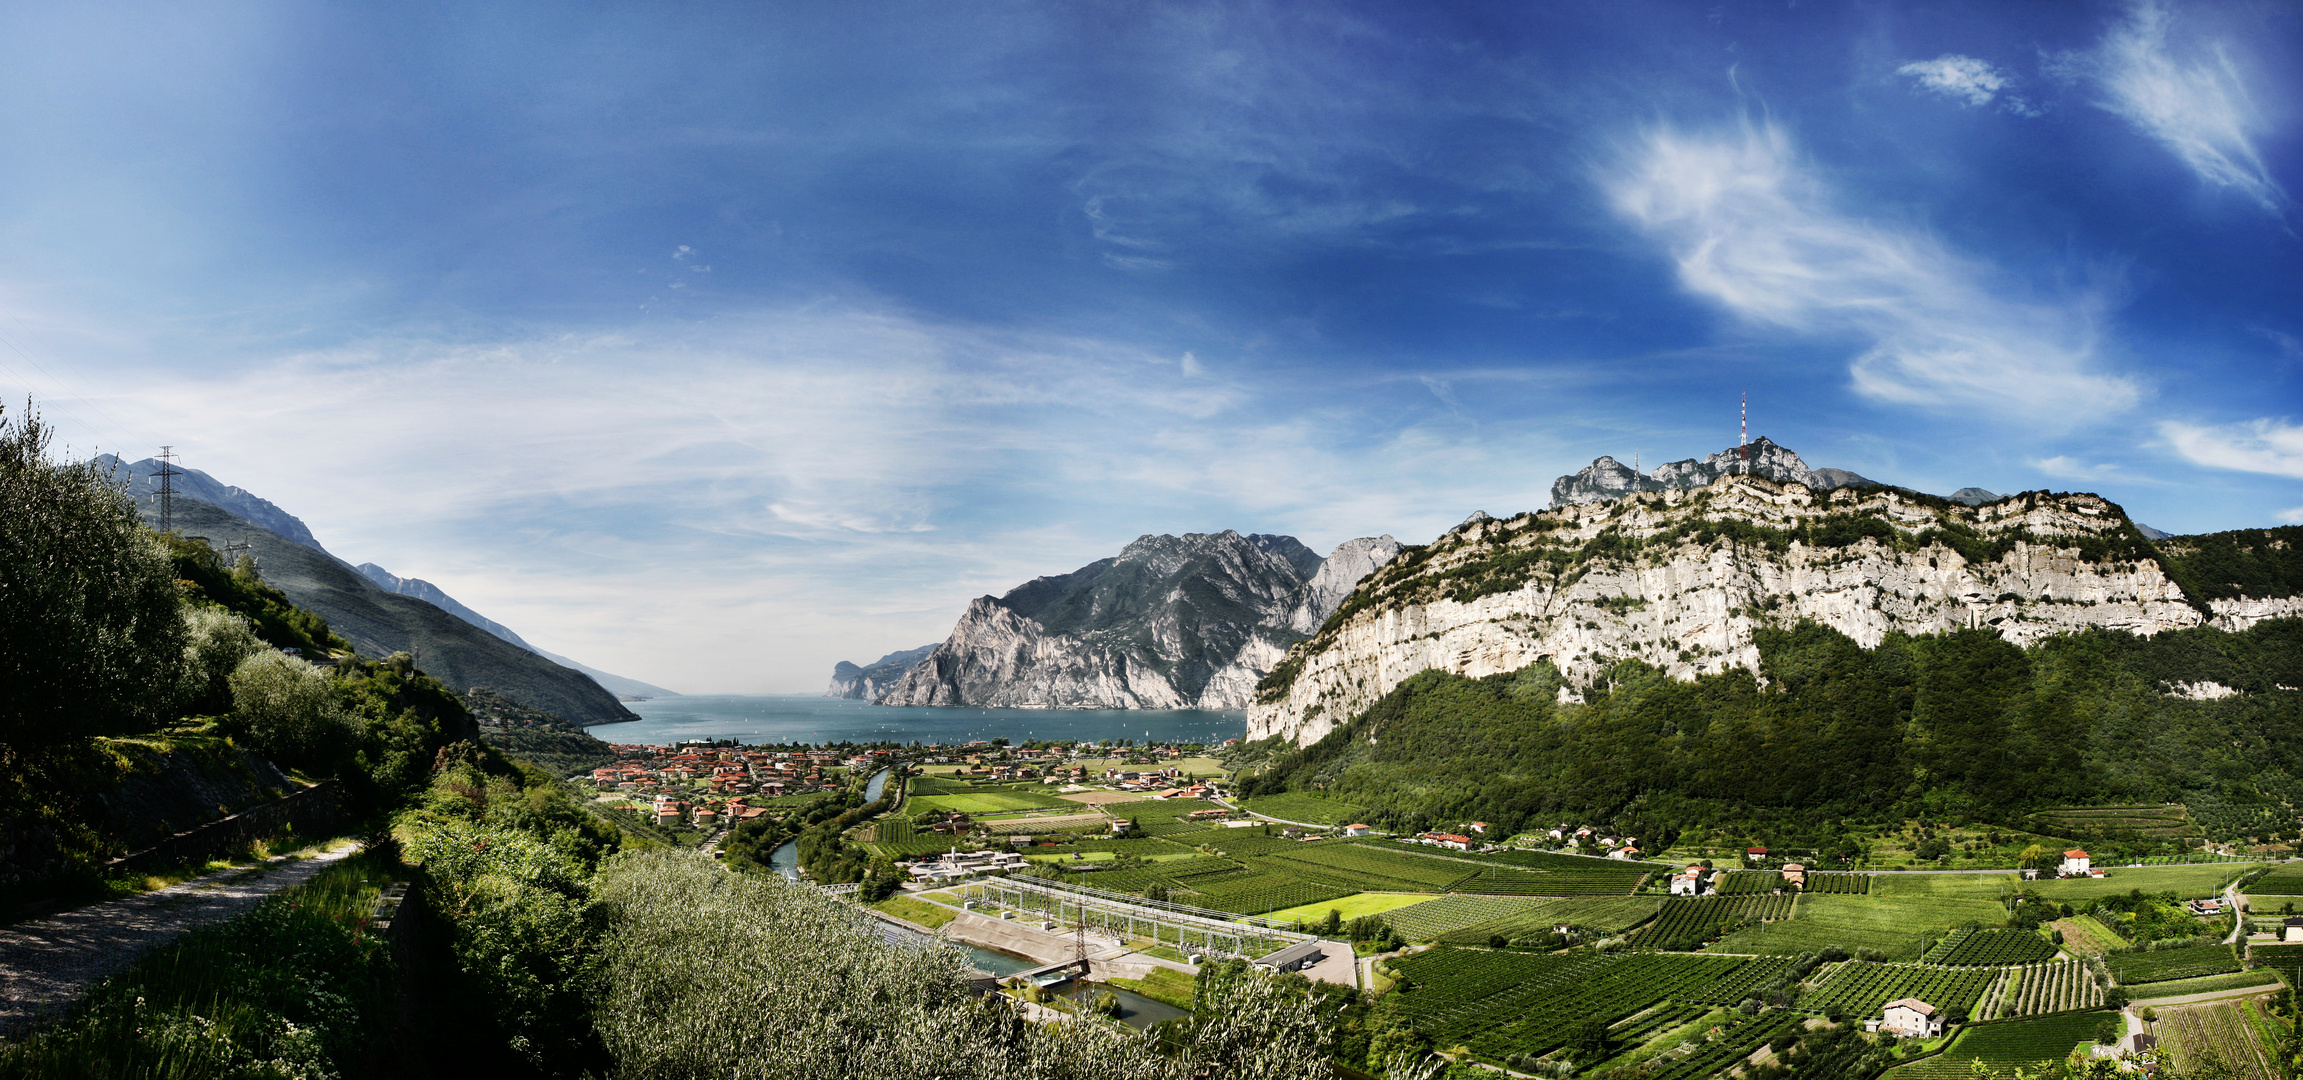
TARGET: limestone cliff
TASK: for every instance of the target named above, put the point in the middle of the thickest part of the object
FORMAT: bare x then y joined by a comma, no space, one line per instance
1680,578
867,682
1171,623
1607,478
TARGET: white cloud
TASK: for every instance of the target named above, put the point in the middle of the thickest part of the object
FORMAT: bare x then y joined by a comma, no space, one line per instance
1753,231
2260,446
2072,468
1961,78
2195,105
2291,517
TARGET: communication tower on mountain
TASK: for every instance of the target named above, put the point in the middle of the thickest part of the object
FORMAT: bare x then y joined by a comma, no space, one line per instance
168,475
1743,433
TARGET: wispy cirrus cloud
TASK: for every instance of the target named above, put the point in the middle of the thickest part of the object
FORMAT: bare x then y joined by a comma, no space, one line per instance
2067,467
1752,230
2262,445
1964,79
2193,101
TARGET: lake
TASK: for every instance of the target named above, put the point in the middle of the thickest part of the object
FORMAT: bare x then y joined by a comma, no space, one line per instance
785,718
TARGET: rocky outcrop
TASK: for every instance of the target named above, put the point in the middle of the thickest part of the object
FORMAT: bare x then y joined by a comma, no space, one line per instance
869,681
1173,622
1351,561
1607,479
1680,579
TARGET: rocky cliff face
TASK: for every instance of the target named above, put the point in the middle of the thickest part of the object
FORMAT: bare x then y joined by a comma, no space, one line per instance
1174,622
869,681
1607,478
1680,579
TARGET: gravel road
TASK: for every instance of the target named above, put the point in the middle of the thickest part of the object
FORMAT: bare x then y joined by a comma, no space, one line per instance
48,963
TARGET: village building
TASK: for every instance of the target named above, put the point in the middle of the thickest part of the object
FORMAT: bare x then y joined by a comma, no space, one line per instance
1911,1018
1688,883
1755,855
2074,863
1795,875
1456,841
2291,929
1357,829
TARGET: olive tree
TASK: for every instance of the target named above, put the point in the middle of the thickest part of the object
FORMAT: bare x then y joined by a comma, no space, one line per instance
291,710
710,973
216,642
91,639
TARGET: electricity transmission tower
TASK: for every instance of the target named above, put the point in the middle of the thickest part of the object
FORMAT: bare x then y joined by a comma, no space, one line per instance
168,475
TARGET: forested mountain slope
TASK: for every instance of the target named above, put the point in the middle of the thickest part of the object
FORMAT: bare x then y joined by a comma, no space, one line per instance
379,623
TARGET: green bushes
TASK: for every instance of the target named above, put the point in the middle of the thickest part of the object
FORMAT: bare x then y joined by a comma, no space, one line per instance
291,989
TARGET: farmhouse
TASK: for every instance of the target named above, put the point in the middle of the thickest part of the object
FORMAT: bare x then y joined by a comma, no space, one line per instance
1911,1018
1449,840
1689,883
1357,829
2291,929
1757,854
1795,875
2074,863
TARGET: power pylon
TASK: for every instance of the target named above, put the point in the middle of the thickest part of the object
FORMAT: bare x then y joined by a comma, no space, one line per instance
168,475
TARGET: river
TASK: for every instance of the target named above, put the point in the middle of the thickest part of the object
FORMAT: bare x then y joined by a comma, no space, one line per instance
785,860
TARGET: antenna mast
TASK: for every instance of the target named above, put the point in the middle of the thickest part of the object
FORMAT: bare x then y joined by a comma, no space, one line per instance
1743,433
168,475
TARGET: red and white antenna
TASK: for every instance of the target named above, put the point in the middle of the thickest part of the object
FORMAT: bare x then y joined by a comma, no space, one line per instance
1743,434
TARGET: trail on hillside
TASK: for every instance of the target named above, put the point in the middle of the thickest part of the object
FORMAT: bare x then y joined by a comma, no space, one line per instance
46,964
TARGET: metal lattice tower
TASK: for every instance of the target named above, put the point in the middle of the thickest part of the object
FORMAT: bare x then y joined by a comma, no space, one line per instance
168,475
1743,433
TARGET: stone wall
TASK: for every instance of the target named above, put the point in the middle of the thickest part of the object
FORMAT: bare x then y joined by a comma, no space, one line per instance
311,812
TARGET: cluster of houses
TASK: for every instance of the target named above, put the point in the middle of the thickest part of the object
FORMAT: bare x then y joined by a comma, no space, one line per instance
710,786
1698,880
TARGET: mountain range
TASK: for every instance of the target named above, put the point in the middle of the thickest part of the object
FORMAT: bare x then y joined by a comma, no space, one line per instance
450,641
1171,622
1678,568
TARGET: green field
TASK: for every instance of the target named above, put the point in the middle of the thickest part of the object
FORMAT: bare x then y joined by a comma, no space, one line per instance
1472,918
2284,880
1992,947
1862,988
1297,806
1948,886
2266,978
986,802
1352,907
916,911
1889,923
1503,1003
2204,879
2005,1046
2166,964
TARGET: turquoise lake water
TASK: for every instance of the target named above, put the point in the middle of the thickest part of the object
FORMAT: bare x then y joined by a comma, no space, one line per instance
780,718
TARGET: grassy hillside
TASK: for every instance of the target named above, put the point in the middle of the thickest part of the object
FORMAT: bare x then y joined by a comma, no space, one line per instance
1964,726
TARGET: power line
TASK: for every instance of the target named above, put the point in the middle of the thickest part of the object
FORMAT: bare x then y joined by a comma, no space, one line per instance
168,475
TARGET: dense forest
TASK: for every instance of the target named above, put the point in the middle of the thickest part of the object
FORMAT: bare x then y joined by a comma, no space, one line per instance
1963,726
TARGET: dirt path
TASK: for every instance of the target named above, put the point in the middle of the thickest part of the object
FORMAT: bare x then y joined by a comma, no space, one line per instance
46,964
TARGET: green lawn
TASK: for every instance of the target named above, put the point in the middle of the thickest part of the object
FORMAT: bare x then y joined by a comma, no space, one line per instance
1297,806
1165,985
1957,886
915,911
1352,907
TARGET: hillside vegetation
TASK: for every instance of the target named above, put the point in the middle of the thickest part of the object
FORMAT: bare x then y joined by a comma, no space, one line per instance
1961,726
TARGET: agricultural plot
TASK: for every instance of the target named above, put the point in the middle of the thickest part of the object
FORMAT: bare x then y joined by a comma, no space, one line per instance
2006,1047
2265,978
2164,964
2286,959
1947,886
2225,1030
2285,880
1741,882
1720,1048
1253,892
1034,826
1688,922
1297,806
1350,907
1861,988
1968,948
1500,1003
1502,881
2147,819
984,802
1239,842
2237,821
1608,916
2048,988
1372,868
1837,884
2084,934
1891,925
2204,879
1429,920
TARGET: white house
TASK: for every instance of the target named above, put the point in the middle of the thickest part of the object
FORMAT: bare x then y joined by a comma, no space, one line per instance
2074,863
2291,929
1689,883
1911,1018
1757,854
1356,829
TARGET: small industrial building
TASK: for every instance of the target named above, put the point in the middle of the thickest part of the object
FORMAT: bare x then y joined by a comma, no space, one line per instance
1295,957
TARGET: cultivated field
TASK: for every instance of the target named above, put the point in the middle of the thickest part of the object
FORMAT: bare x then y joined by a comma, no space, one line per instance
1688,922
1890,924
1965,948
1296,806
2281,881
2006,1047
2203,879
2266,978
2045,988
1353,906
2085,934
2165,964
2225,1031
1861,988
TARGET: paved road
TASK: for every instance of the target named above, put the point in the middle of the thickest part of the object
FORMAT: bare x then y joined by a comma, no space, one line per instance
46,964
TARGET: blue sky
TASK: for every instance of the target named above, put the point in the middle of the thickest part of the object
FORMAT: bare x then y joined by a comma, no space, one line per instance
712,344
